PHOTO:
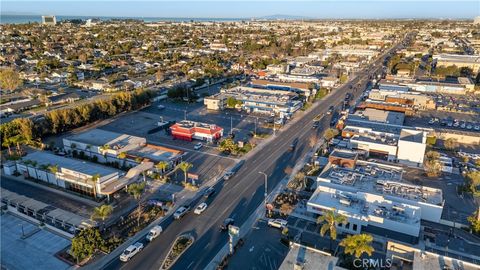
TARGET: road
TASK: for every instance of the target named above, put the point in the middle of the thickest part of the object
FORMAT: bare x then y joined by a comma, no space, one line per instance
241,195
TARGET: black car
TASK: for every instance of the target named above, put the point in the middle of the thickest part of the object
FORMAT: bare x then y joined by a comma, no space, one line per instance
315,124
293,144
227,222
330,110
209,192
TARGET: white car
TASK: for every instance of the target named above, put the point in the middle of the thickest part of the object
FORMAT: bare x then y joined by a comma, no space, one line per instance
154,233
277,223
131,251
198,146
200,208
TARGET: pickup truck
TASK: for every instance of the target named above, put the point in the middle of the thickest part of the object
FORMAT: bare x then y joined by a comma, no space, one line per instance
131,251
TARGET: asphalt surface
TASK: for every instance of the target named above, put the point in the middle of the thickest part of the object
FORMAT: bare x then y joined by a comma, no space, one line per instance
239,196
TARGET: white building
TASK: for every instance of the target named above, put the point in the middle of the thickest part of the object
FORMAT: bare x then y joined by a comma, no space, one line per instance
374,200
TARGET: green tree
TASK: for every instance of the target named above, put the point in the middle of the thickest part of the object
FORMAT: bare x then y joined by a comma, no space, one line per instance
450,143
330,134
232,102
162,166
432,165
358,244
473,181
136,190
9,79
185,167
102,212
475,222
86,243
330,221
228,145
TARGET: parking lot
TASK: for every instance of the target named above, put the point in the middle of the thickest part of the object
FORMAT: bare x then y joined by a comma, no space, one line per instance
457,208
207,162
262,249
460,103
34,251
457,122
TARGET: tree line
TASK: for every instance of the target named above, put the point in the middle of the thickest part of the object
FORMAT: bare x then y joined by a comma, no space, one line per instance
26,131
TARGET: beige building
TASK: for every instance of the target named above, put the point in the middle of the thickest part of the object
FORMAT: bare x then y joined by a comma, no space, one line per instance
470,61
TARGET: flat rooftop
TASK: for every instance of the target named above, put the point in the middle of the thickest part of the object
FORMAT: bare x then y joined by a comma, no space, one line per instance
101,137
358,205
411,135
156,153
261,95
430,261
309,259
88,168
379,179
374,126
344,154
381,116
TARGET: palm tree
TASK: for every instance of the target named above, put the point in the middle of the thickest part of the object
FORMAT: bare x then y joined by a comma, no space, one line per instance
162,166
122,156
358,244
104,149
53,169
95,179
18,140
185,166
136,190
330,222
102,212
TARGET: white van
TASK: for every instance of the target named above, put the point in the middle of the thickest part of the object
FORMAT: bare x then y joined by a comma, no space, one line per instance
154,233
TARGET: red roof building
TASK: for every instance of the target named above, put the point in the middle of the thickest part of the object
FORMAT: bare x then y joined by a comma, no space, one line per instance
189,130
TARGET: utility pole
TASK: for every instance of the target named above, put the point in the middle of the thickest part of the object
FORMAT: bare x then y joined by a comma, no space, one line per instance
256,120
185,114
231,124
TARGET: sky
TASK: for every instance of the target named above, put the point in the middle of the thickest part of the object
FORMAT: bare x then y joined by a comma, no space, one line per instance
317,9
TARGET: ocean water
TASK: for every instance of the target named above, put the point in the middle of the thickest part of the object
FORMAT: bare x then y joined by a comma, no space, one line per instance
22,19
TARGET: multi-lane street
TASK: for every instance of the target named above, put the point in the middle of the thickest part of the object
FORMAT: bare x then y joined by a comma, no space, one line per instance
240,196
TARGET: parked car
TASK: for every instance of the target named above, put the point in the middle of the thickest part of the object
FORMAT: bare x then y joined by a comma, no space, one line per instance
154,233
181,211
198,146
209,192
200,208
277,223
131,251
161,107
227,222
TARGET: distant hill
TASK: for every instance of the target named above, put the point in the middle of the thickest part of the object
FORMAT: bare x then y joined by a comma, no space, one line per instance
283,17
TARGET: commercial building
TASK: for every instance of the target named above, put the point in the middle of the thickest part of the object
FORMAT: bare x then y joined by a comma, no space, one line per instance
302,87
79,176
49,20
383,136
258,100
412,99
189,130
122,150
374,200
104,145
470,61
